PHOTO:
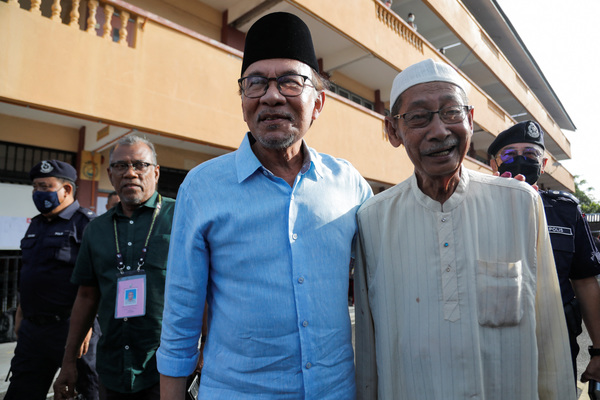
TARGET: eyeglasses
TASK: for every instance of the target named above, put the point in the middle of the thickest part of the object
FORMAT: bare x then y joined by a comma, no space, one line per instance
507,156
289,85
422,118
138,166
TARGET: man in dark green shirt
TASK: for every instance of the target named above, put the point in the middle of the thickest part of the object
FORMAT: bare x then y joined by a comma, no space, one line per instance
121,272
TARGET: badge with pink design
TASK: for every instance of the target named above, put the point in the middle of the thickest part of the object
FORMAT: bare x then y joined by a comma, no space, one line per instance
131,295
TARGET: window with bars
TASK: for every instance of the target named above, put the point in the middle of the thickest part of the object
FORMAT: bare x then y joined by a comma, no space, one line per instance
16,160
352,96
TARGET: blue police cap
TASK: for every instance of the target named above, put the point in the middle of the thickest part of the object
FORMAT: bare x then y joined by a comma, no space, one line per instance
53,168
523,132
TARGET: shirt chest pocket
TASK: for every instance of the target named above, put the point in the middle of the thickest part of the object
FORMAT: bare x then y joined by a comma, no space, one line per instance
27,244
158,250
562,242
64,245
499,293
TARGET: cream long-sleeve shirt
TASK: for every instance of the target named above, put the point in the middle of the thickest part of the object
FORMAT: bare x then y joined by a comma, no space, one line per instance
461,300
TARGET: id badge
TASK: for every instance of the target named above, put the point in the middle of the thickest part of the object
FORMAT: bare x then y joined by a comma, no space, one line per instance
131,295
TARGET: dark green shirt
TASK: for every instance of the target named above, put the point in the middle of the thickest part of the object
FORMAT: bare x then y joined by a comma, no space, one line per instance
126,360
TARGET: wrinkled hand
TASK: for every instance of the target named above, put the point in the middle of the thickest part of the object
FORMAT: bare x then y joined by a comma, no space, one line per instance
519,177
85,345
64,386
592,371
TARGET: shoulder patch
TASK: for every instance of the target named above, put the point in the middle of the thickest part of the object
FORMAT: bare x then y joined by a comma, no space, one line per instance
561,230
88,213
561,195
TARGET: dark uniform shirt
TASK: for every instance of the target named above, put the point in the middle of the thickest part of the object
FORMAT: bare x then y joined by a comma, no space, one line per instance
575,254
50,250
126,360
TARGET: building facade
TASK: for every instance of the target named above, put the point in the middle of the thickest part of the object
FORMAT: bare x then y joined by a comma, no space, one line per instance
76,75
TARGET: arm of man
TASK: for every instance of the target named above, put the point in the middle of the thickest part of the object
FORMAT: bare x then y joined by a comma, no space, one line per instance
82,317
185,296
18,319
555,377
172,388
587,292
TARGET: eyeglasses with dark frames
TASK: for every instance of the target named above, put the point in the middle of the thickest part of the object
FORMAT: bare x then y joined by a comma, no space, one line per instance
138,166
289,85
422,118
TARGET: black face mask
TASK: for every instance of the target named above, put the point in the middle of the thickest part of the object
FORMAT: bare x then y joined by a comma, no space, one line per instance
527,167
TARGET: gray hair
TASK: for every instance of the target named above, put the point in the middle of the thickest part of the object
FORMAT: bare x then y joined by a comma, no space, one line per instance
130,140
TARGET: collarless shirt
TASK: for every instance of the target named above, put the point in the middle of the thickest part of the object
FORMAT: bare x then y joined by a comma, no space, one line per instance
126,360
50,249
461,299
272,261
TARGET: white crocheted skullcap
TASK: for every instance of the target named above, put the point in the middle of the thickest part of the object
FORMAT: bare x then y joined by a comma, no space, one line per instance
423,72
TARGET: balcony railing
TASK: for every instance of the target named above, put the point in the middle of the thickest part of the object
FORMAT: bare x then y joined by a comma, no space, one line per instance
102,19
395,23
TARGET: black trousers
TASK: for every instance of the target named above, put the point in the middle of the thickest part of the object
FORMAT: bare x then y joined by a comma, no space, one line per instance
151,393
38,356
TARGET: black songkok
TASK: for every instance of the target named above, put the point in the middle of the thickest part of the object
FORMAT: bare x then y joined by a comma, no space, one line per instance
279,35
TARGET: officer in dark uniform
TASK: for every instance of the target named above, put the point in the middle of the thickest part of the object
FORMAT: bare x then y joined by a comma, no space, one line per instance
520,150
46,295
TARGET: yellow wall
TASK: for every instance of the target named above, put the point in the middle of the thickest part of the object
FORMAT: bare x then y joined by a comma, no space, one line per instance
193,15
180,159
35,133
182,87
159,86
352,85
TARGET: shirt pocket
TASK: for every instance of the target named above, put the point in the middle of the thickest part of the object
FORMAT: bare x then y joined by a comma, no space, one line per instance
64,245
499,293
562,242
27,244
158,251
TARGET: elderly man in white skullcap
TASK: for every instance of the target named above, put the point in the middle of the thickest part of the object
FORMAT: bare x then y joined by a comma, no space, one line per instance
457,295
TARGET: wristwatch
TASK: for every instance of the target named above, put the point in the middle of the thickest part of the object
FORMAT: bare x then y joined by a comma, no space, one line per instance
593,352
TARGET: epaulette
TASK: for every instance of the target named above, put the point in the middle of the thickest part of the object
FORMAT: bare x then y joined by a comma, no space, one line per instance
561,195
87,212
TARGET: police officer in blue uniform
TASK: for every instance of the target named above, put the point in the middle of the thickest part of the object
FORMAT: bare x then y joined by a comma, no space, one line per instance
520,150
46,294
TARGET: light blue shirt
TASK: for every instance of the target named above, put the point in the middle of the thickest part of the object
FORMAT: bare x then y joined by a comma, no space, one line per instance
272,261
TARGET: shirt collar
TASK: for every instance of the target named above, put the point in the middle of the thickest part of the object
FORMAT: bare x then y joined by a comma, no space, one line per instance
150,203
246,162
68,212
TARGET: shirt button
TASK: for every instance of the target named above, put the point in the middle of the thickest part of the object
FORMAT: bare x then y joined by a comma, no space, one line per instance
131,222
305,324
126,347
295,236
446,244
129,243
301,280
448,269
308,365
128,267
265,173
444,219
125,319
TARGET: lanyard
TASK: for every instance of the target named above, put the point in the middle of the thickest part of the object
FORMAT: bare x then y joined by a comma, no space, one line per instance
120,265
